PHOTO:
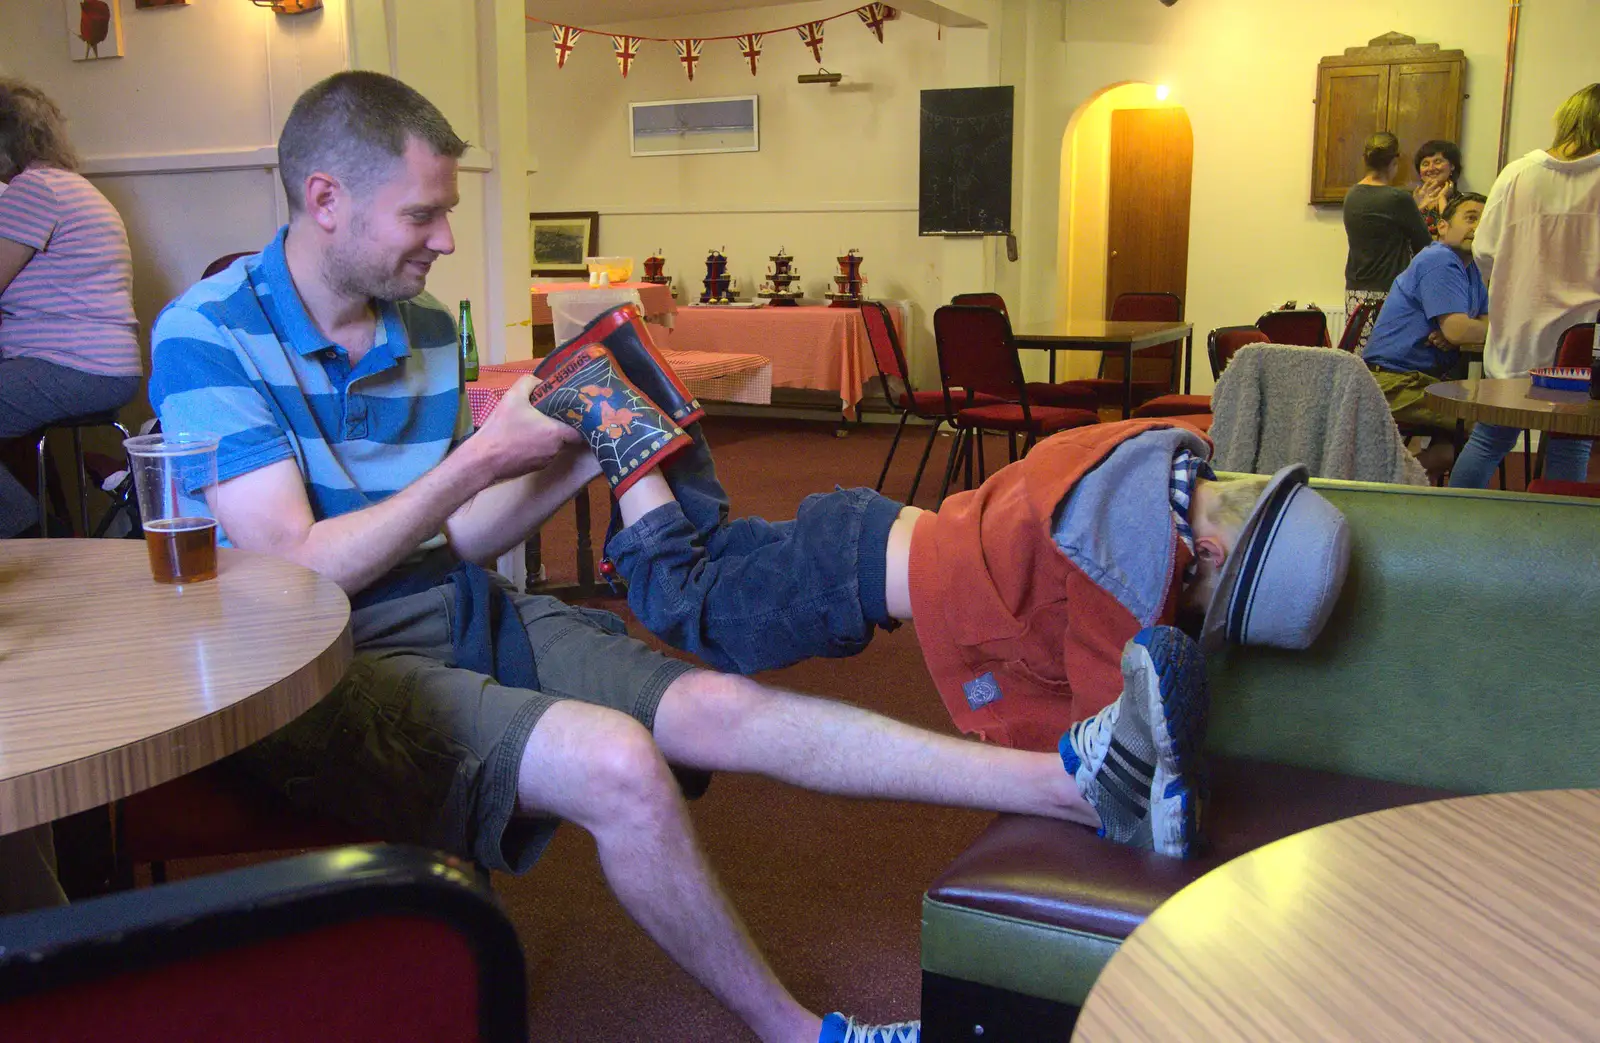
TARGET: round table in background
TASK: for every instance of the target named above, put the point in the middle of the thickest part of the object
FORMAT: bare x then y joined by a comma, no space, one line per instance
111,683
1515,402
1471,918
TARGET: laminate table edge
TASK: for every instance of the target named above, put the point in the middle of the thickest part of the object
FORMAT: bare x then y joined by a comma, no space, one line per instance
44,795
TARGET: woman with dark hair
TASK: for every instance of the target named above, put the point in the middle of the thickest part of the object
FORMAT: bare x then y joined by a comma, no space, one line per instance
68,337
1384,229
1438,166
1538,245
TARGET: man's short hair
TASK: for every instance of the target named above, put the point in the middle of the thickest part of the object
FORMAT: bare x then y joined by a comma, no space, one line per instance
1458,202
355,125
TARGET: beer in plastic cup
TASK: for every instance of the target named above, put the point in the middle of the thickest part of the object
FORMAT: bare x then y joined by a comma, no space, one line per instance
171,473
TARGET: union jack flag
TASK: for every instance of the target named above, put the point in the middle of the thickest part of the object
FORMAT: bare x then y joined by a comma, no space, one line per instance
688,54
564,36
750,47
811,36
627,48
873,16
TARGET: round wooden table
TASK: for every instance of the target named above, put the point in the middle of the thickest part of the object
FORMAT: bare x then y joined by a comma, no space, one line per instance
111,683
1471,918
1515,402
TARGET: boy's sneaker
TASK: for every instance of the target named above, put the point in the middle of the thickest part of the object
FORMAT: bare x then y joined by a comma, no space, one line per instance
1137,761
836,1028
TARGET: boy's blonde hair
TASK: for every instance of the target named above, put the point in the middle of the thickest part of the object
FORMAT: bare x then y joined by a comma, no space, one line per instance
1233,501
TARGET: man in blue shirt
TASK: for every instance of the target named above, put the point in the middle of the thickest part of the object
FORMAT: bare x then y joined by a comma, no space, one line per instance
1436,305
331,378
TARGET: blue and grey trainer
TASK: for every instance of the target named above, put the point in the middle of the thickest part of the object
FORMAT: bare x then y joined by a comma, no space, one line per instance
836,1028
1138,760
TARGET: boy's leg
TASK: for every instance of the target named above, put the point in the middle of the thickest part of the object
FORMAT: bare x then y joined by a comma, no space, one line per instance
624,429
758,595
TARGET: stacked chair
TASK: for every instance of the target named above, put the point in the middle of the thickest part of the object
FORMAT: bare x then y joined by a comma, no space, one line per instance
899,392
1302,327
977,356
1225,341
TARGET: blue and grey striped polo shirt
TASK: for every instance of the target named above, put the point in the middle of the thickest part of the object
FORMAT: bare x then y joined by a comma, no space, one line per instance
238,357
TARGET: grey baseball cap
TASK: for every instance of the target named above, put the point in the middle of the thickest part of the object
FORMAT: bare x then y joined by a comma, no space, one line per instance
1279,584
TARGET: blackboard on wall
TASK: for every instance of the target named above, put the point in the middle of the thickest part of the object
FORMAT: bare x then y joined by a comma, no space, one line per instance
965,170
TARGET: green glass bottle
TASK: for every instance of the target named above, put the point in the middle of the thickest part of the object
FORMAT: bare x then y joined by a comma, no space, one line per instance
469,344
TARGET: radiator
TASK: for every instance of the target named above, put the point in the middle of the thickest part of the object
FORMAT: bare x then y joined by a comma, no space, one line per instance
1336,320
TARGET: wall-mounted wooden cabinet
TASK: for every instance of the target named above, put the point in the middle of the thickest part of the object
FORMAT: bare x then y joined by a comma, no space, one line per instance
1393,83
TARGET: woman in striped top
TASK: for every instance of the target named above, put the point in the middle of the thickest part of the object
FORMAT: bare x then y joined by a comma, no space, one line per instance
68,337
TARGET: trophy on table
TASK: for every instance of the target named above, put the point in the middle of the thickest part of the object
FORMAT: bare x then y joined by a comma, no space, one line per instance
719,285
777,289
847,282
654,269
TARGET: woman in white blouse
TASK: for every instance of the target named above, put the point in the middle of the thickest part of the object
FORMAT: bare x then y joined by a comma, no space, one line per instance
1538,245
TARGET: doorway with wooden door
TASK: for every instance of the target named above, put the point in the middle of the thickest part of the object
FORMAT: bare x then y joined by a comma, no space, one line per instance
1126,175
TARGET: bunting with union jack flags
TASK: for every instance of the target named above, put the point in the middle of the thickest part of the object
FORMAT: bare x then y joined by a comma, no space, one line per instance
811,36
689,54
750,49
627,48
873,16
564,36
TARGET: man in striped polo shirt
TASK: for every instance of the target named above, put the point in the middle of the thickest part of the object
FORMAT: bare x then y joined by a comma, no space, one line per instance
331,378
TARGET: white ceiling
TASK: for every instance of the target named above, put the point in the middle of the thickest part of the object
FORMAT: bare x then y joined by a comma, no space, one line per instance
607,12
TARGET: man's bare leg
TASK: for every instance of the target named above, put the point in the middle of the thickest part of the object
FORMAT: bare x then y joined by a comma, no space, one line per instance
722,722
601,771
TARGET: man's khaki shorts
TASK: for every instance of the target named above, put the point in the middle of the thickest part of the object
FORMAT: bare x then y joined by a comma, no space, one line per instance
421,752
1408,400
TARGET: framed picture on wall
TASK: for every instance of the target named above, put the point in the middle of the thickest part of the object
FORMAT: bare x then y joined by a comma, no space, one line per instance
692,126
558,243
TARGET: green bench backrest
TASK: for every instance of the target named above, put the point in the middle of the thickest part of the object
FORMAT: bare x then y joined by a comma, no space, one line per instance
1464,652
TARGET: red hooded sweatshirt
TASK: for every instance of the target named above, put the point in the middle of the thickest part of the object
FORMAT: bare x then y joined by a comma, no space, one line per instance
1025,590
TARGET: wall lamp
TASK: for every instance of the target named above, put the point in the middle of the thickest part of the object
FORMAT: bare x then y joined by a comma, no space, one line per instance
289,6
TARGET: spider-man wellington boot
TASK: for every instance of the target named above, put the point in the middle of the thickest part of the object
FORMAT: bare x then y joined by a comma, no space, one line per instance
623,333
625,430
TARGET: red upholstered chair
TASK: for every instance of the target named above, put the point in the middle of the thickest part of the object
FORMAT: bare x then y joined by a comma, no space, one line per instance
904,399
978,356
1574,351
1551,487
362,945
1158,365
218,810
1224,341
1365,315
1306,327
222,262
1069,394
983,300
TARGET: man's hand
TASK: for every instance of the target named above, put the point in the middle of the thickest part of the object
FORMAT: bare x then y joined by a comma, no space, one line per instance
1437,340
517,439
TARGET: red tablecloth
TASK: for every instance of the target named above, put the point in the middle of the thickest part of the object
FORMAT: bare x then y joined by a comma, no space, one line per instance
810,346
656,297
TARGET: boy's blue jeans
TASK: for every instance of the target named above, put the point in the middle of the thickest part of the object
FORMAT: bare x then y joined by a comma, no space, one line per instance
748,595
